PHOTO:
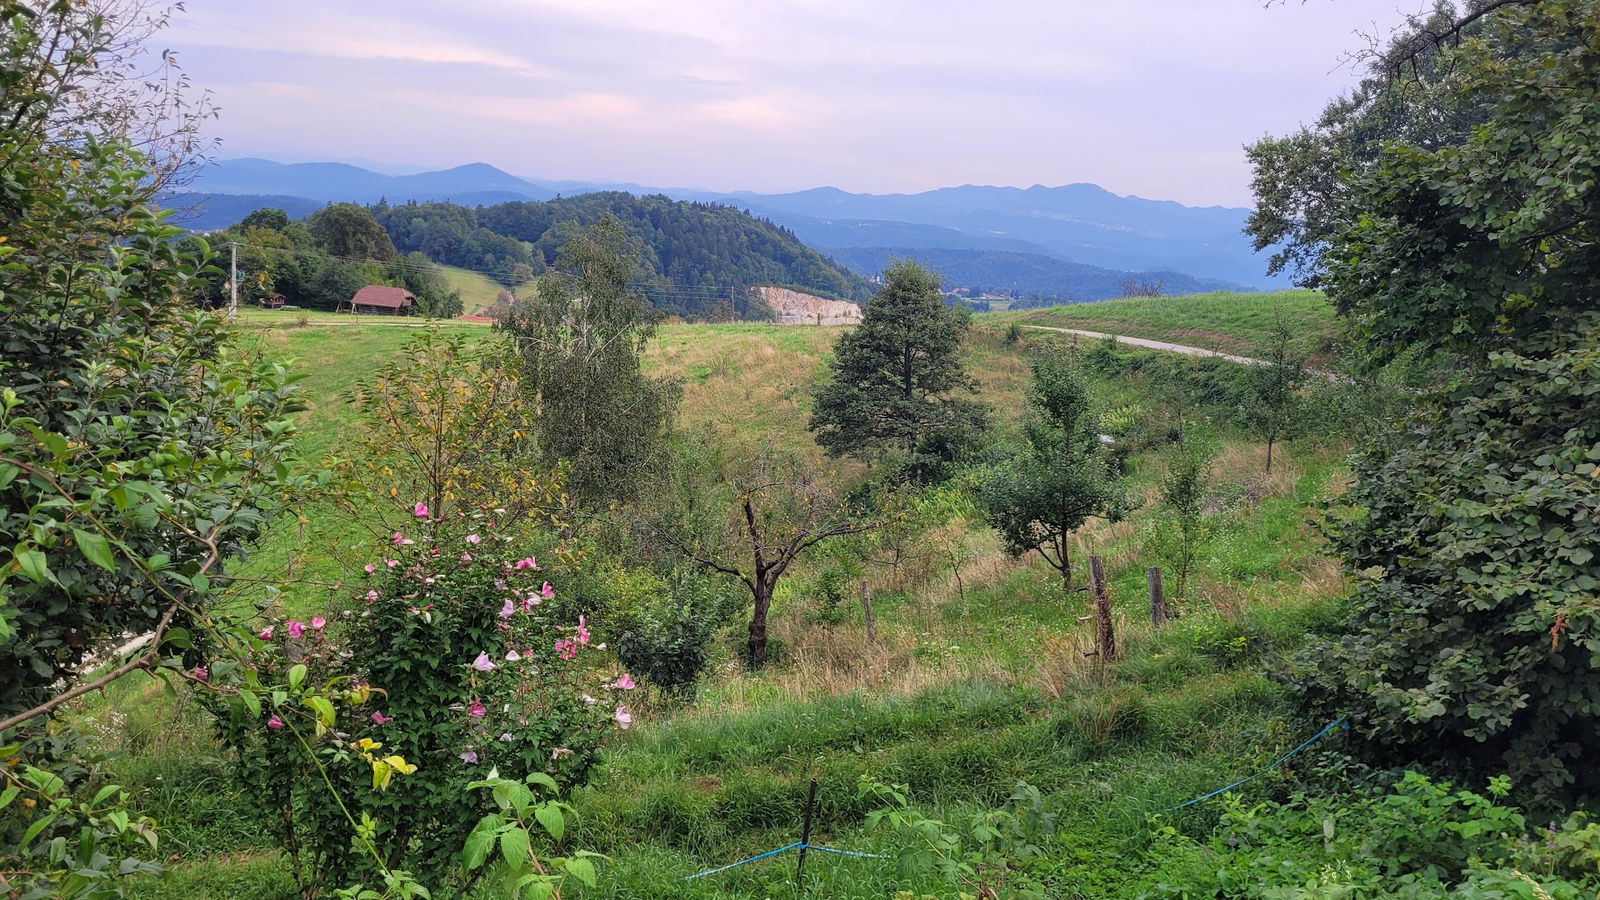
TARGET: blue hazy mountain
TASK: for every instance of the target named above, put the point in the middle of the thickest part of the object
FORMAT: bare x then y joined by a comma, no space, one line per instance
1028,274
331,182
1076,223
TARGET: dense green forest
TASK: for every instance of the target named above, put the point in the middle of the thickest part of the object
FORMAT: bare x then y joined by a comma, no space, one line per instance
691,254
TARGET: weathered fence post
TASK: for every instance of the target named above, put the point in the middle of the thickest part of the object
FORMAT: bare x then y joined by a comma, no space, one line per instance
866,611
1102,609
805,839
1158,597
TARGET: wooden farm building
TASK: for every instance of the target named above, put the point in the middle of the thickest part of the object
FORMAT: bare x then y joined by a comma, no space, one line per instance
383,300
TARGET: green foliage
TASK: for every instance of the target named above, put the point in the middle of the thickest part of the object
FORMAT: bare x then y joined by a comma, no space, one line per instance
1274,408
1184,523
447,668
668,641
1407,97
444,425
1481,245
451,235
1473,625
897,380
349,231
1420,840
691,255
580,343
1037,499
66,846
520,822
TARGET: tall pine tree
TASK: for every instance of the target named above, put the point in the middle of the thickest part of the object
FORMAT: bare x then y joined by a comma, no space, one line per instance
898,390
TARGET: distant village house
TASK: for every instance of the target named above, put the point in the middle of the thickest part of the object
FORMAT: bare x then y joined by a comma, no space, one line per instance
382,300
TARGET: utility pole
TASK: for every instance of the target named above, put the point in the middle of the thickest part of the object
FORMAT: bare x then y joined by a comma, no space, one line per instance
233,280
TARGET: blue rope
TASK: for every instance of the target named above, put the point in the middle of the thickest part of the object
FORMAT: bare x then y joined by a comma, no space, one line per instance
793,846
743,861
1336,723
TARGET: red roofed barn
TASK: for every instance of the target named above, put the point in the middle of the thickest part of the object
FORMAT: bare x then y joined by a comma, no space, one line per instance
378,298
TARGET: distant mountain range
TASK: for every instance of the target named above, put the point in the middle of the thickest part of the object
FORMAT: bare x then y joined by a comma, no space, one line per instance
1081,225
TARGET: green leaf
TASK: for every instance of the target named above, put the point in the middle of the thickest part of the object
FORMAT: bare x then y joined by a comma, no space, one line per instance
581,869
252,702
36,829
515,846
480,842
297,675
551,819
8,795
94,548
8,473
33,565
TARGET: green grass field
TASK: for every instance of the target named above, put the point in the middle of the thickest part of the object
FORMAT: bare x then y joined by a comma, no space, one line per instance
477,290
1230,323
973,685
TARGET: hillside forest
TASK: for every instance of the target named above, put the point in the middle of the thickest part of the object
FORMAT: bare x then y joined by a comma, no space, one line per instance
582,602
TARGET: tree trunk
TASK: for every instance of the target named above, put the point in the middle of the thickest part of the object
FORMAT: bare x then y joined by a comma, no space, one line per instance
1269,455
762,592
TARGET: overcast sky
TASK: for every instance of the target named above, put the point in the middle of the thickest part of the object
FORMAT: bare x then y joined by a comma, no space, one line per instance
1147,97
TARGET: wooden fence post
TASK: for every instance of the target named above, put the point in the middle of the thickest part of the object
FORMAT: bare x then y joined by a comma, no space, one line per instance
866,611
1158,597
1102,609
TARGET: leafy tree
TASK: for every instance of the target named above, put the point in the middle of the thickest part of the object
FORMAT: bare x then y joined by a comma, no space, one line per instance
1063,478
1183,526
752,524
580,340
1472,629
267,217
1273,409
1408,96
897,379
348,230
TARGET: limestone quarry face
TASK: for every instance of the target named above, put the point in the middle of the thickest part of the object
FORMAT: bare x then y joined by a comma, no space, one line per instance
796,308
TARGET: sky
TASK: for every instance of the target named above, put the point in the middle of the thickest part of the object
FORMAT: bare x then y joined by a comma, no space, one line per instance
1147,97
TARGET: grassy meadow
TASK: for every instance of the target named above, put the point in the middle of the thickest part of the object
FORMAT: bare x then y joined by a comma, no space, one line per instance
1225,322
979,677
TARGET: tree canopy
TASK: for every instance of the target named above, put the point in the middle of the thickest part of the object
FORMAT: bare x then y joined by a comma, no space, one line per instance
897,385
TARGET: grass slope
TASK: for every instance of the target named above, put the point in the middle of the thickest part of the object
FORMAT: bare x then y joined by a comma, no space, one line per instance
972,686
1230,323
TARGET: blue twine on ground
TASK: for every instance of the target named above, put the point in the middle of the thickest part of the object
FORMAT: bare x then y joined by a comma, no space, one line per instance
793,846
1336,723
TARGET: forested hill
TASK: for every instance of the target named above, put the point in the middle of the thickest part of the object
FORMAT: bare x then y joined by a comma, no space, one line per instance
692,254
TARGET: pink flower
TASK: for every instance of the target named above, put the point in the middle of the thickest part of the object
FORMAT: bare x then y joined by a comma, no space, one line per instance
266,633
467,756
583,631
275,723
391,563
508,610
379,718
296,629
528,563
625,683
477,709
420,510
370,568
482,663
513,656
400,540
318,623
474,539
623,717
547,591
200,673
372,596
566,649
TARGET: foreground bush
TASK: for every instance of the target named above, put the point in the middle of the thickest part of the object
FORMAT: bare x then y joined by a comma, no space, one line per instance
448,670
